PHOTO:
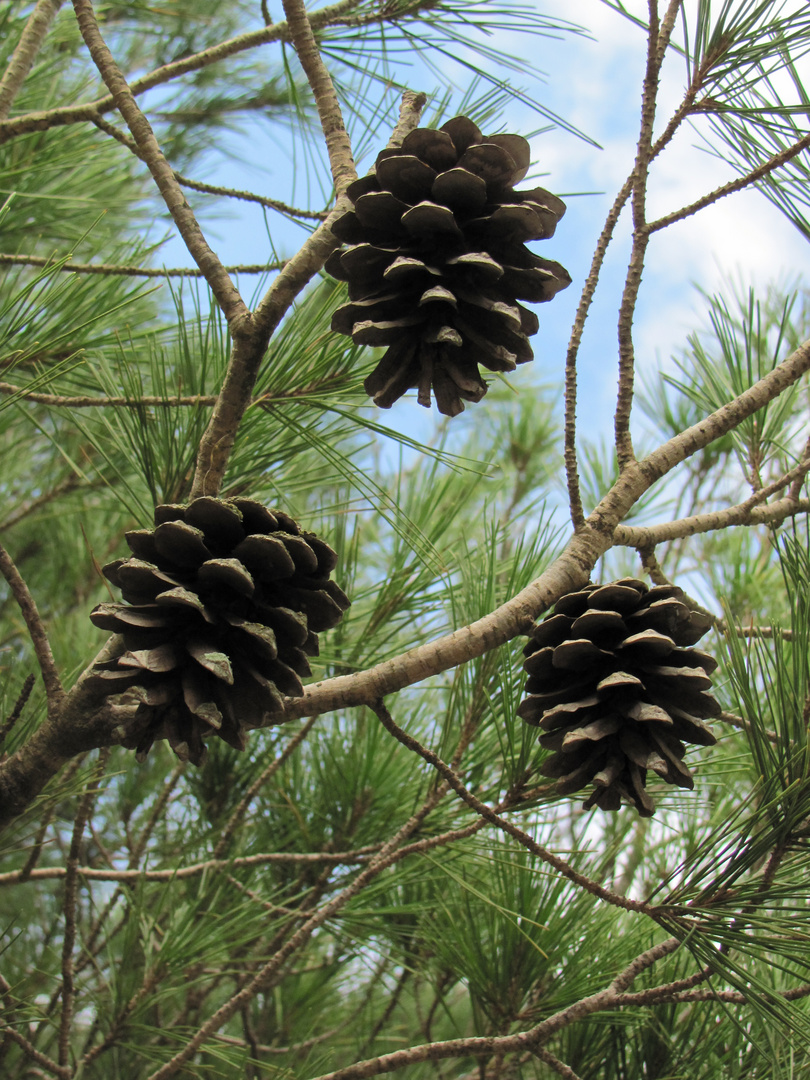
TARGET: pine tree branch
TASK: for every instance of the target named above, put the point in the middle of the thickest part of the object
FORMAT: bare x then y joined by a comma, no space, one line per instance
586,299
251,341
486,812
69,906
249,196
50,1067
88,111
554,1063
87,721
387,856
574,342
657,42
36,631
124,270
767,167
226,293
24,55
335,135
148,401
211,189
568,572
92,873
749,512
486,1046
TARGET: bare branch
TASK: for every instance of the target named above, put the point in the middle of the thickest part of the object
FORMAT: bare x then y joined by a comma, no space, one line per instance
19,705
250,343
493,818
24,55
36,630
226,293
69,906
53,873
338,145
749,512
123,270
657,42
741,182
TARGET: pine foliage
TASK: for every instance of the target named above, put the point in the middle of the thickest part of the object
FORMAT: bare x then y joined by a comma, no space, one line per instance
386,877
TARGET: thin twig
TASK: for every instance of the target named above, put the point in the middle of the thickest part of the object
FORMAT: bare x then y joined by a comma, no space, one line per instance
774,162
36,630
574,342
249,196
69,906
25,53
491,816
93,873
241,809
16,711
657,43
124,270
148,401
223,288
554,1063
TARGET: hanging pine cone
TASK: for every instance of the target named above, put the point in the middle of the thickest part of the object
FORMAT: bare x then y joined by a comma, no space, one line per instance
617,690
437,262
223,603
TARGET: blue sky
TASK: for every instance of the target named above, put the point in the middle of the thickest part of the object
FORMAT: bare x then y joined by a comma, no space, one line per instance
593,82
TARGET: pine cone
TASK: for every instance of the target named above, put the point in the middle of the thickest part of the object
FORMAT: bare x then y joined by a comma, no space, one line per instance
437,262
223,603
617,691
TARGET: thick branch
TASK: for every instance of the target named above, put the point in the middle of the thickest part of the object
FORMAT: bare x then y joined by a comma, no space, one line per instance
569,571
85,722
